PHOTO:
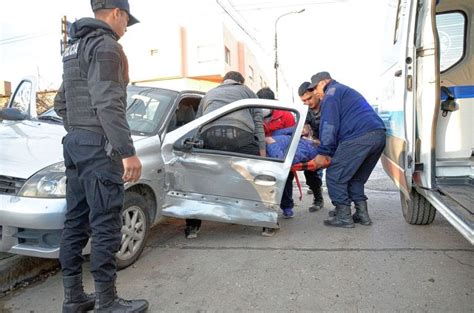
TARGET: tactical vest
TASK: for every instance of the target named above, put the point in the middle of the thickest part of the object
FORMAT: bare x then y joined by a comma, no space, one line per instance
76,62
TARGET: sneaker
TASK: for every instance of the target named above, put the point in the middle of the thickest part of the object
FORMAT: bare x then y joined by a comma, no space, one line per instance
288,213
191,232
269,232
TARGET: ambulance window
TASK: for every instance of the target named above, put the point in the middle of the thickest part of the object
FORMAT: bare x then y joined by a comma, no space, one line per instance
451,31
397,22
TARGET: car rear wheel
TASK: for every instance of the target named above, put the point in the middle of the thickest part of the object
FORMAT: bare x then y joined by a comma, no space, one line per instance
417,210
135,229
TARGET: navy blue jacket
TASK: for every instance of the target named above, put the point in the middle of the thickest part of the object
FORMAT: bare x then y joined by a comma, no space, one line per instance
345,115
305,151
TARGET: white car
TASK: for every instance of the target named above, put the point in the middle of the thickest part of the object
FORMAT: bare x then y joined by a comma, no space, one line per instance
179,177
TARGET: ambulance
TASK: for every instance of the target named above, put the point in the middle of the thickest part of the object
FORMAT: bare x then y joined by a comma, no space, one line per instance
426,100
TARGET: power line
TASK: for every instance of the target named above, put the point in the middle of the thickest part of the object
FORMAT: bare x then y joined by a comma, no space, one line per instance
22,38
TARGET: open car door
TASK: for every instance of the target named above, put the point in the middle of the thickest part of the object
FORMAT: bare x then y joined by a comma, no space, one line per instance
225,186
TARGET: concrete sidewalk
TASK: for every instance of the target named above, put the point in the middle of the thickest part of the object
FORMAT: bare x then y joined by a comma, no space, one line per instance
17,269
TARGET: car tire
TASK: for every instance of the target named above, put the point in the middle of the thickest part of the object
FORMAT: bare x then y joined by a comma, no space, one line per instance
135,229
417,210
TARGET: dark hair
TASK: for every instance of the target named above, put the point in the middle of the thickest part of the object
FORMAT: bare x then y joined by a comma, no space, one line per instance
303,88
236,76
266,93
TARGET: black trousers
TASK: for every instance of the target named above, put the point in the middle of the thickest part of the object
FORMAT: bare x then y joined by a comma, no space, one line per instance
94,197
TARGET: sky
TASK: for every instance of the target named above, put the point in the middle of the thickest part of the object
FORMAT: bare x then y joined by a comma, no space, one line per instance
343,37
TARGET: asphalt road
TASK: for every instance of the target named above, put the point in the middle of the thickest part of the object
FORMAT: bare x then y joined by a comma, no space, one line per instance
390,266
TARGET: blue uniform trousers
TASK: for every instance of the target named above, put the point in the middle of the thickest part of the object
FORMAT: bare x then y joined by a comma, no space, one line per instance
351,166
94,197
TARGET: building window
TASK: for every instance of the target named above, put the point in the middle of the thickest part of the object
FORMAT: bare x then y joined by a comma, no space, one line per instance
251,73
227,55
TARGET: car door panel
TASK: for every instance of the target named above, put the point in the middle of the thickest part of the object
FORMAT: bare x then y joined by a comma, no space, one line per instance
222,186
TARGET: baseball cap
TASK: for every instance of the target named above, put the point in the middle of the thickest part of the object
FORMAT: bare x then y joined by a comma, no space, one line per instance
112,4
316,78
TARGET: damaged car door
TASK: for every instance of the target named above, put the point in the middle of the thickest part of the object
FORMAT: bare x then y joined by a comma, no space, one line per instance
225,186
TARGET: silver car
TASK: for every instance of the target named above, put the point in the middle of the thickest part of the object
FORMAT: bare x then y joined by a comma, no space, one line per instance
179,177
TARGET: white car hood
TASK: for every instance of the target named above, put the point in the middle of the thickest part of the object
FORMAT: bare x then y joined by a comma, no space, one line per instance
29,146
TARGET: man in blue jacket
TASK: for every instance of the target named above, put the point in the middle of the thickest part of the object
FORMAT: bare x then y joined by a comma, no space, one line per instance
353,137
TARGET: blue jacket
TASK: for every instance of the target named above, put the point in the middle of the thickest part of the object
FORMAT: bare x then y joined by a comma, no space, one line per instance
305,151
345,115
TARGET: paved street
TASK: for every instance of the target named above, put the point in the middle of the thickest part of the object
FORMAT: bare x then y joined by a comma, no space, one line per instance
390,266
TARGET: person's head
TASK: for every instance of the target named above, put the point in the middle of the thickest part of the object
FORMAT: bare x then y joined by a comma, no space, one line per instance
308,97
318,82
235,76
116,13
266,93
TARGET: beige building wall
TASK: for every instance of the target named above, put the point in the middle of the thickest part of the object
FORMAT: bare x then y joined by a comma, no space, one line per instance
198,52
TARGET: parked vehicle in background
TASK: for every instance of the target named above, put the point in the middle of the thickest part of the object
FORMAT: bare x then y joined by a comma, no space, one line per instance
179,178
427,103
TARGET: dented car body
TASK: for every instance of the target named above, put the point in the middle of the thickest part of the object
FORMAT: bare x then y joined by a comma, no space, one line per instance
179,178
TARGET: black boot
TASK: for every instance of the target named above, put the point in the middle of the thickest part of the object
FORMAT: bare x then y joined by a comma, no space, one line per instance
75,299
108,301
332,213
318,201
343,217
361,215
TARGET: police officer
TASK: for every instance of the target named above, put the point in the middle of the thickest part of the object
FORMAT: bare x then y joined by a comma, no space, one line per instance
313,178
353,137
98,154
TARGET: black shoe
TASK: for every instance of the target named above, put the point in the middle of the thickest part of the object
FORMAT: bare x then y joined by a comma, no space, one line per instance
342,219
361,215
191,232
107,300
317,205
332,213
75,299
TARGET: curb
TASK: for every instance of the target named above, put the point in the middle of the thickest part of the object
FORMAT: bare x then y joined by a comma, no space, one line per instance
15,269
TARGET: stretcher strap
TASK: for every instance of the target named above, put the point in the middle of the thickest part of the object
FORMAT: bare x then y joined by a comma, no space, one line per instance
297,183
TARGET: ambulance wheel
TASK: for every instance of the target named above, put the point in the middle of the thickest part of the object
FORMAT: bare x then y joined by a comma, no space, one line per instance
416,209
135,229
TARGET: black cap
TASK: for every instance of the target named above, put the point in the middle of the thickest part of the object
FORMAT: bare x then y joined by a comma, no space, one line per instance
303,88
112,4
316,78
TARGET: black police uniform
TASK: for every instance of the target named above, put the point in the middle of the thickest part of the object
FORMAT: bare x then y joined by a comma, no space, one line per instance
92,103
313,178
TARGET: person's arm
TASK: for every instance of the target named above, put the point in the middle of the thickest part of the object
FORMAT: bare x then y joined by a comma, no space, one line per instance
60,106
329,127
105,83
259,131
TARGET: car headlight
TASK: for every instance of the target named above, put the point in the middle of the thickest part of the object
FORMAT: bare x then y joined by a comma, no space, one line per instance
50,182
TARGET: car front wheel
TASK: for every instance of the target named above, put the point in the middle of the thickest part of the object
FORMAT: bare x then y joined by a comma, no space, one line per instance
135,229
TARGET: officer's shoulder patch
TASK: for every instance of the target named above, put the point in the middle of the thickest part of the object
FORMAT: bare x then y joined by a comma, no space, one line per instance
331,91
109,66
71,51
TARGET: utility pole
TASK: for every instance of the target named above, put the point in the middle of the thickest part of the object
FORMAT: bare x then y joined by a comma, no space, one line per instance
277,64
64,32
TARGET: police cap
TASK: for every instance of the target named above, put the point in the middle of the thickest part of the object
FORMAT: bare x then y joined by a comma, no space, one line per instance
112,4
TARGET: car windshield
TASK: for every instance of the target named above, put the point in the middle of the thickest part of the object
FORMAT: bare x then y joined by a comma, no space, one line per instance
146,109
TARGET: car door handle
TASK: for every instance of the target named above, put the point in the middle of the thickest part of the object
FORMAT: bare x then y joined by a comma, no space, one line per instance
265,180
398,73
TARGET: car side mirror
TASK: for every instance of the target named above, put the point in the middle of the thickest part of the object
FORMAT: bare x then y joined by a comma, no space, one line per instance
449,104
13,114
